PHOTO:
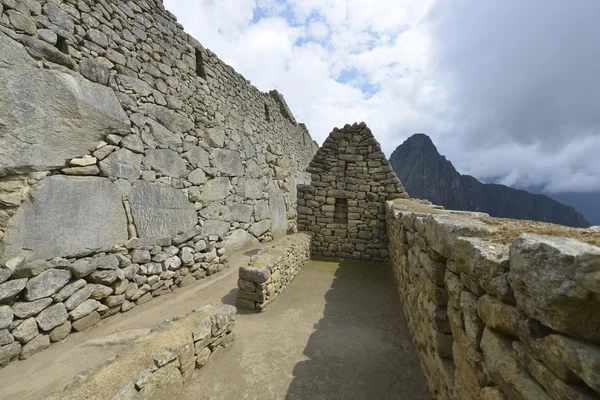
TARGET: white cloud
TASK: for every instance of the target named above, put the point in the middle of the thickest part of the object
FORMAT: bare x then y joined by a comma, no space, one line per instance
407,66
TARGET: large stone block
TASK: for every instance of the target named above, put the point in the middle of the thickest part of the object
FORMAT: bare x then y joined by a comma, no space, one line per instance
277,212
159,210
557,281
67,216
49,117
167,162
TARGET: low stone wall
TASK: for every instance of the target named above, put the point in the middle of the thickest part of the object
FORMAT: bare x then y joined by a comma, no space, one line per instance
490,320
158,365
42,302
271,270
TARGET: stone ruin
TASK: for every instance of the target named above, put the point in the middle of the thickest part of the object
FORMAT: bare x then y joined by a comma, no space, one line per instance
344,206
133,161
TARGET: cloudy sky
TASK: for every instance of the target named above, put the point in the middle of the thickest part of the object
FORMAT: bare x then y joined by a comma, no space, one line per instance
509,90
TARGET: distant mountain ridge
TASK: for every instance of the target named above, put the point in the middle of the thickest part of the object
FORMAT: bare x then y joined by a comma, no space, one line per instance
428,175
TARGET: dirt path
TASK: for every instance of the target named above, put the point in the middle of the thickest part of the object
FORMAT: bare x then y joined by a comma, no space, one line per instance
55,367
337,332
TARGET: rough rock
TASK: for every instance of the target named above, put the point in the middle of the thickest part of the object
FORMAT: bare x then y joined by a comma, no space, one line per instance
228,162
6,317
216,189
63,117
167,162
52,317
26,331
46,284
60,332
164,384
35,345
557,281
170,119
84,309
160,210
260,228
94,219
13,54
86,322
9,289
277,212
239,240
9,353
79,297
122,163
30,308
31,269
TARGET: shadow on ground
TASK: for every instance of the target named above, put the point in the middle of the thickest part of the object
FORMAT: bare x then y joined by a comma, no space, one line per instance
361,348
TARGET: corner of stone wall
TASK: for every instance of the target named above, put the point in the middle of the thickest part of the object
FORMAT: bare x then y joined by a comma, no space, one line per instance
497,321
271,270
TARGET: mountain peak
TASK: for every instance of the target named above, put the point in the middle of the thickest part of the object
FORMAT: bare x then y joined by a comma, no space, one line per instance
428,175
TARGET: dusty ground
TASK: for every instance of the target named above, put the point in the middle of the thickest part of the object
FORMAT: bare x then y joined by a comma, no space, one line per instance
508,230
337,332
53,368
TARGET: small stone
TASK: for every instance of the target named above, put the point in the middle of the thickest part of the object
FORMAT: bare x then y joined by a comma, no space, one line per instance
100,292
6,317
9,353
127,392
30,308
37,344
5,337
84,309
68,290
26,331
31,269
83,161
140,256
52,317
60,332
47,283
10,289
79,297
92,170
86,322
82,268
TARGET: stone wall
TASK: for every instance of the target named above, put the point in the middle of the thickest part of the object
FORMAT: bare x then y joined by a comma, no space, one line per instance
493,320
344,204
271,270
132,160
158,365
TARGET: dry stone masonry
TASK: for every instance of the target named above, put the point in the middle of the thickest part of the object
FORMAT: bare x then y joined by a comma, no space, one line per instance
158,365
344,204
132,161
495,321
271,270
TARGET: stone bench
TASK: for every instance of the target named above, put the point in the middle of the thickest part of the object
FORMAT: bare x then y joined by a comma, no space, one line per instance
270,271
158,365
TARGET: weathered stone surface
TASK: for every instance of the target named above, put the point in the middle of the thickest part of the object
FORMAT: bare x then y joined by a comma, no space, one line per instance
41,50
228,162
84,309
216,189
49,117
444,230
86,322
136,85
167,162
160,210
9,353
237,212
581,358
239,240
60,332
13,54
5,337
502,365
277,211
197,156
127,392
30,308
162,385
31,269
557,281
46,284
9,289
212,227
257,275
122,163
6,317
260,228
170,119
79,297
35,345
26,331
94,218
104,277
52,317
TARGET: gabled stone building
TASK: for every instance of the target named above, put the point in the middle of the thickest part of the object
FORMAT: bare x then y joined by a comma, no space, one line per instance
344,205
